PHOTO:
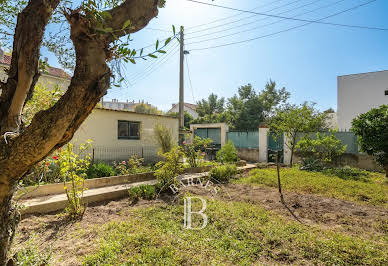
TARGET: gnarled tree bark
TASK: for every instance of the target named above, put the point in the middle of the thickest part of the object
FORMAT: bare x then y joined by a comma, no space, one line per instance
52,128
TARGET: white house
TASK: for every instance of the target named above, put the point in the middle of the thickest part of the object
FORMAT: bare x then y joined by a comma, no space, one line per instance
188,107
118,134
358,93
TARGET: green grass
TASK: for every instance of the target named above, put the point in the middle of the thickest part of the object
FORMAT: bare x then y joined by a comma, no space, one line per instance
374,192
237,233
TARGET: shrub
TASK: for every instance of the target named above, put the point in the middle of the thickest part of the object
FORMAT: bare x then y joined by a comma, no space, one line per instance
147,192
325,148
348,173
372,131
194,151
223,173
130,167
100,170
228,153
73,169
163,137
169,168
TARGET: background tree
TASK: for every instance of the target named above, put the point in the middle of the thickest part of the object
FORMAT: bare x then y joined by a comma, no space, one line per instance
271,97
143,108
211,105
188,118
292,119
372,131
246,109
99,33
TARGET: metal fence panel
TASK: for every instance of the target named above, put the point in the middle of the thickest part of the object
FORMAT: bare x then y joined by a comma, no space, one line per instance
244,139
111,154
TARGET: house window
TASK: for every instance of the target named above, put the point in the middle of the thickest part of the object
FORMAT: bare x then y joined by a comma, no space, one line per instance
128,130
386,92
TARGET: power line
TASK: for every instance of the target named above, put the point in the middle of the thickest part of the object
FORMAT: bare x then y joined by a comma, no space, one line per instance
269,24
153,62
150,71
228,17
300,20
285,30
245,24
155,29
244,18
188,74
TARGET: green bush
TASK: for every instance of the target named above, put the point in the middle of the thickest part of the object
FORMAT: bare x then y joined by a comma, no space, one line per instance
168,169
371,129
147,192
194,151
223,173
100,170
348,173
228,153
325,148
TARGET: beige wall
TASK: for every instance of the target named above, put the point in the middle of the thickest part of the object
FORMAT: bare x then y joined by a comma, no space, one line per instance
101,126
46,80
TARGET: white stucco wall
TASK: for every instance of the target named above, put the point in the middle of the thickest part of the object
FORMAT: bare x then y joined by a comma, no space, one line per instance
358,94
102,127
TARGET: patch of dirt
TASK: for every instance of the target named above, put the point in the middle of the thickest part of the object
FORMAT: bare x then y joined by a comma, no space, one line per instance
70,241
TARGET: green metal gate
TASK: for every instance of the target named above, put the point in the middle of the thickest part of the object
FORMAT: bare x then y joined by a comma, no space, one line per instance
212,133
275,144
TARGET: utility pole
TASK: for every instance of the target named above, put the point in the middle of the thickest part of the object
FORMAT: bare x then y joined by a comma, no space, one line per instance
181,81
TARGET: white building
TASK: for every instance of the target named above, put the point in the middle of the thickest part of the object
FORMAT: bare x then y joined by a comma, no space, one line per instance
358,93
188,107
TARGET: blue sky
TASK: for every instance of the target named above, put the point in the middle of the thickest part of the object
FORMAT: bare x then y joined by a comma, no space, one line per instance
306,61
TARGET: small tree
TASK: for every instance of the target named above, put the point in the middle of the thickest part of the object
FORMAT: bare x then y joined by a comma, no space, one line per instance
372,131
193,151
163,137
293,119
228,153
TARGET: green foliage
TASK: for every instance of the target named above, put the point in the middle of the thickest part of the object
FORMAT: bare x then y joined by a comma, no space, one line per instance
188,118
211,105
169,168
374,192
143,108
194,151
228,153
163,137
100,170
246,109
42,99
272,97
131,167
325,147
223,173
293,119
73,168
31,254
348,173
372,131
238,233
147,192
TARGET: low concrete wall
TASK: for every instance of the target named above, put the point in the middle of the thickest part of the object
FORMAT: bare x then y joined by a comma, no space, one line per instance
362,161
53,189
250,155
57,188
